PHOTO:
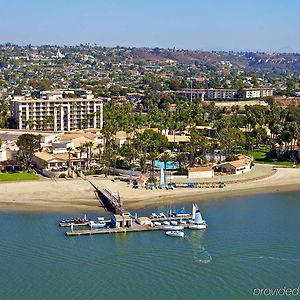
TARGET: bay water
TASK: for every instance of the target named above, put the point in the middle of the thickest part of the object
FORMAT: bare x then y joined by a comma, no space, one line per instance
251,242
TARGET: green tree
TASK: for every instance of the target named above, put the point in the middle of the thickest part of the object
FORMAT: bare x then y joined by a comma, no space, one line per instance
44,84
181,158
198,143
28,144
165,157
230,138
88,146
81,150
174,85
69,149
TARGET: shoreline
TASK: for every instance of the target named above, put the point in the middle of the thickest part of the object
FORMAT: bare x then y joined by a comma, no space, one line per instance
63,196
214,196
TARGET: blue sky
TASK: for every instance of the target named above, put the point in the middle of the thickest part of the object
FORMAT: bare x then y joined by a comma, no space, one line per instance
262,25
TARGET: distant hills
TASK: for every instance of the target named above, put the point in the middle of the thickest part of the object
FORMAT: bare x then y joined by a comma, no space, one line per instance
273,62
276,63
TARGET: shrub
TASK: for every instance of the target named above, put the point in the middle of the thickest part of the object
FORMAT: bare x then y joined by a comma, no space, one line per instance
181,171
62,175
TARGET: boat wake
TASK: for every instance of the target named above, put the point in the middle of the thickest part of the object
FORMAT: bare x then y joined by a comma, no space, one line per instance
200,254
275,258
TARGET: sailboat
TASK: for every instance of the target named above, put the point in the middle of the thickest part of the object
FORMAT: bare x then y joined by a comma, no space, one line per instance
198,222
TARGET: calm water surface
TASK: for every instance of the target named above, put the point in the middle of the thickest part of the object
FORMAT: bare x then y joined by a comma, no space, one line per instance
251,242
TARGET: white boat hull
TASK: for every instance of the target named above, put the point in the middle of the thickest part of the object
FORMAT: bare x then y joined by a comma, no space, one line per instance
97,225
175,233
198,226
173,228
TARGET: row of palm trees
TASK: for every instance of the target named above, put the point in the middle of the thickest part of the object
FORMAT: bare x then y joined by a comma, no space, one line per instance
87,149
136,152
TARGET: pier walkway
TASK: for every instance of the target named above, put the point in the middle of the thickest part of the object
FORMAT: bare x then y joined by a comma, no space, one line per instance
110,200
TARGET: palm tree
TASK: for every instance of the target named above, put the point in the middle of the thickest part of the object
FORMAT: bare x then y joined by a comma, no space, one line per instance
30,123
165,157
100,149
152,155
81,150
181,158
197,142
88,146
69,160
142,163
294,129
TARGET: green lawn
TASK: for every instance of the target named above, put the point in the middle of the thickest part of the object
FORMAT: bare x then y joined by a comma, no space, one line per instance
17,176
260,157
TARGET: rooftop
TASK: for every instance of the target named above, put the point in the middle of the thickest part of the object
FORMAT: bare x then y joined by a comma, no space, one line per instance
201,169
238,163
38,100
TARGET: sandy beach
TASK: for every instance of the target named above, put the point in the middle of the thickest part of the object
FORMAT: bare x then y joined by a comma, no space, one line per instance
78,195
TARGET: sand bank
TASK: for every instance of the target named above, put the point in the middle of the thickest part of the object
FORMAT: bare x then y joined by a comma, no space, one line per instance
78,195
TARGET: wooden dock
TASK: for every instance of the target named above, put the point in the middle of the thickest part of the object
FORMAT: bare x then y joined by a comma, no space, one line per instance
134,228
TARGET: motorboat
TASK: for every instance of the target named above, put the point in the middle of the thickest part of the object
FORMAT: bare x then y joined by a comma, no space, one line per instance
154,215
175,233
162,215
76,222
173,228
174,223
199,223
99,224
157,224
182,222
166,223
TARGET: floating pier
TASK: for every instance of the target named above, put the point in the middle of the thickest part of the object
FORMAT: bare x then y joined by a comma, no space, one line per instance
134,228
124,222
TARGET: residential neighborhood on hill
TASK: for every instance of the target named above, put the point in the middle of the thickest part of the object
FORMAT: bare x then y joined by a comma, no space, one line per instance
149,149
72,111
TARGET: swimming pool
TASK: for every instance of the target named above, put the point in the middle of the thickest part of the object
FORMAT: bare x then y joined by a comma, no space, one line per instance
171,165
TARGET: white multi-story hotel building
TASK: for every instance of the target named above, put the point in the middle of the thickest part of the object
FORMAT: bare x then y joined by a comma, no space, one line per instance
266,92
208,93
226,94
192,93
58,114
256,92
220,93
